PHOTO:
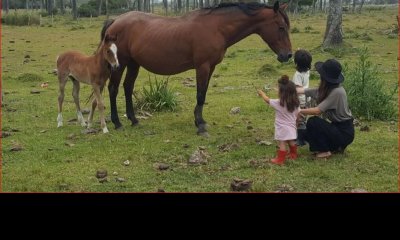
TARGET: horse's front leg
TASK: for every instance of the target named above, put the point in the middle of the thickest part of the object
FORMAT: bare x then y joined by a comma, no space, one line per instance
203,74
129,84
113,85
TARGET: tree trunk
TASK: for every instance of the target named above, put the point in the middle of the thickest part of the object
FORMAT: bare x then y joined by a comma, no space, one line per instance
353,9
333,33
62,6
320,5
361,5
165,3
49,7
7,6
107,8
100,4
74,10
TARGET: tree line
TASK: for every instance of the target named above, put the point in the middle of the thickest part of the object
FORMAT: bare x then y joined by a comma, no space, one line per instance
87,8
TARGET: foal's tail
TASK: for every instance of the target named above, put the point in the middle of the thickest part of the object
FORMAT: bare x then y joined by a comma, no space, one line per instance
106,25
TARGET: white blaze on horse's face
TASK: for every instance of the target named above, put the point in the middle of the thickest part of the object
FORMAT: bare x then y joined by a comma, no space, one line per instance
113,48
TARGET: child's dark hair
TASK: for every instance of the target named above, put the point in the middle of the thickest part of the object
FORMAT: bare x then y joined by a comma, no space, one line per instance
302,59
288,94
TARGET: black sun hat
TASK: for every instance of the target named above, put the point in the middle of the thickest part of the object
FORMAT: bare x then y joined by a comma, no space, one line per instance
330,71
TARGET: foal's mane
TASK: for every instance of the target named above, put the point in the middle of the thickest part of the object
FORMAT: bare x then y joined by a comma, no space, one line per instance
248,8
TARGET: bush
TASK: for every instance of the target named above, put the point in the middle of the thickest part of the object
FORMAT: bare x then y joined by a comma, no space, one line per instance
365,92
21,19
158,97
86,10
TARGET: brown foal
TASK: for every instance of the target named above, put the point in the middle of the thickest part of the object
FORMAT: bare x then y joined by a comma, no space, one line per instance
93,70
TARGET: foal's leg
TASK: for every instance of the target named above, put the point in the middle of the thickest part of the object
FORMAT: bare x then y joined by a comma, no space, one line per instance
100,103
90,117
62,80
113,85
203,74
75,95
129,84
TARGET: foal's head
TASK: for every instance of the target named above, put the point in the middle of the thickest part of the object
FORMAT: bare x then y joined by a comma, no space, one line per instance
109,51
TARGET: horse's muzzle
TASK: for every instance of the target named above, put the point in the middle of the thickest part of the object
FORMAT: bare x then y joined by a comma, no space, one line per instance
284,57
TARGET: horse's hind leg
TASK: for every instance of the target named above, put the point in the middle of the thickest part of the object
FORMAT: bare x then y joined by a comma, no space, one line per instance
100,105
90,118
129,84
203,75
75,95
113,85
62,80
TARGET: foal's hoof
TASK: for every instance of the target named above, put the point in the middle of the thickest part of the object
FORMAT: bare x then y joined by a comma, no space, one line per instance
59,124
105,130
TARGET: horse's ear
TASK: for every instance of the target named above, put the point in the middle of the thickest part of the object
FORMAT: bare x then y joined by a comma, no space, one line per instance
284,6
276,6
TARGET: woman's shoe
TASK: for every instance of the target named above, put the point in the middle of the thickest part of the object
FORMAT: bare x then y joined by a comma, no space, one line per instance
323,155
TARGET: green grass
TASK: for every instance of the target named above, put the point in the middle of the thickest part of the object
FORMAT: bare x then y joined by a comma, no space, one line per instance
53,160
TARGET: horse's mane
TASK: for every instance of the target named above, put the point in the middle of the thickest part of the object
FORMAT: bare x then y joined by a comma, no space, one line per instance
248,8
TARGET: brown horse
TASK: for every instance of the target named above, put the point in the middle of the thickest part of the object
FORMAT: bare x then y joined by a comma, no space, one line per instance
93,70
198,40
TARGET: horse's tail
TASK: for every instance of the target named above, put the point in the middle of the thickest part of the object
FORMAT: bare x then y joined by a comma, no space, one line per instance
106,25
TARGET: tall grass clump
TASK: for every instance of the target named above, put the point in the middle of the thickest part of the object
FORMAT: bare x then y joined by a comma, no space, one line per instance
365,91
157,97
21,19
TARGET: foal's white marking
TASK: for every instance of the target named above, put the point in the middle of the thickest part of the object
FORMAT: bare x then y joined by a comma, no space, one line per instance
59,120
113,48
80,119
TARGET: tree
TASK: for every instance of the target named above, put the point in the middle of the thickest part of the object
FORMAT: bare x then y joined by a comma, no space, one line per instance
49,7
62,6
7,7
361,5
101,3
333,33
107,9
74,10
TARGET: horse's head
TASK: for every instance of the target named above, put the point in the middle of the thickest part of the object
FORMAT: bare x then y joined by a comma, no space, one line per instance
110,51
275,31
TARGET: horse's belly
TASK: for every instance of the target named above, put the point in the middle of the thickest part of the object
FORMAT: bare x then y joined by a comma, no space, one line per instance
163,67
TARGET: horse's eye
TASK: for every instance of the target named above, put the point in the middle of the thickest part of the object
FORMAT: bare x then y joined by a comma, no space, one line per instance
281,29
108,51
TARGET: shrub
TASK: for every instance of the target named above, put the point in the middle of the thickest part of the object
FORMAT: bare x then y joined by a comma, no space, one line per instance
294,30
21,19
30,77
366,95
86,10
158,97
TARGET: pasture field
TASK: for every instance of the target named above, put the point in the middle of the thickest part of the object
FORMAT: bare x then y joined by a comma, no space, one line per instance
52,159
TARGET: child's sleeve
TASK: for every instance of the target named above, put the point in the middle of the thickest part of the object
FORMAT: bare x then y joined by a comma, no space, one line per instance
274,103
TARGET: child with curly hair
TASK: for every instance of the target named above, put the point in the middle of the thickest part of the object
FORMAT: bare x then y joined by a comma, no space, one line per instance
301,77
286,110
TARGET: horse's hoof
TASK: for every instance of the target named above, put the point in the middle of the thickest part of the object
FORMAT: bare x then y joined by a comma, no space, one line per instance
135,123
203,134
118,126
